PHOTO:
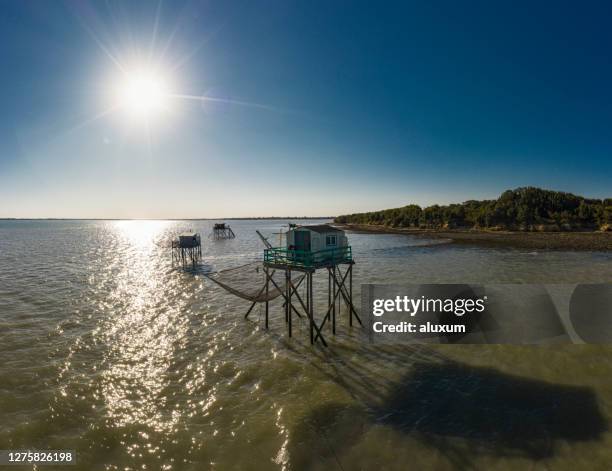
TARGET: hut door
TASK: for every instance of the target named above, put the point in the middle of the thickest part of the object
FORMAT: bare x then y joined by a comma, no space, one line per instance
302,240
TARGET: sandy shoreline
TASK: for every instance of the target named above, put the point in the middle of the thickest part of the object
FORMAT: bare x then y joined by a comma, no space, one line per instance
589,241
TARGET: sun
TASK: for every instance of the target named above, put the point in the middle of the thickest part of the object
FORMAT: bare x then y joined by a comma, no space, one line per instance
142,94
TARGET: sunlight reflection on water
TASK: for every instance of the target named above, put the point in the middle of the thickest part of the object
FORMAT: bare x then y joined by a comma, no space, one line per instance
142,331
141,234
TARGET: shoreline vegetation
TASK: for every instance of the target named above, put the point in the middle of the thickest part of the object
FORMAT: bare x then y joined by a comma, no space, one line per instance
529,218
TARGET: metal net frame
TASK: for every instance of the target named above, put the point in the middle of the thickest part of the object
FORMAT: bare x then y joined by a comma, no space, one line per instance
249,282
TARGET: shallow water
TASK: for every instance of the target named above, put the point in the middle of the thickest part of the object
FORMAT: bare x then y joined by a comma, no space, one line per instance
108,350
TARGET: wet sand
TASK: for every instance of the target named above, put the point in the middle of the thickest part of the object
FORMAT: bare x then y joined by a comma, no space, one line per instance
589,241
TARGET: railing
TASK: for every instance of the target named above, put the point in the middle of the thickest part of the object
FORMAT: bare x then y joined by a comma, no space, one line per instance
306,258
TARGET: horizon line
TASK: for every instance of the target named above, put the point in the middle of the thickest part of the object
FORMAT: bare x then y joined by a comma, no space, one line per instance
161,219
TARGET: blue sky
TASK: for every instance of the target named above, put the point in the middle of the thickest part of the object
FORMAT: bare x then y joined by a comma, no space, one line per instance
311,108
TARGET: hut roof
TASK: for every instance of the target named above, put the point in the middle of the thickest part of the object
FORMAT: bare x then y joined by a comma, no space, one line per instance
321,228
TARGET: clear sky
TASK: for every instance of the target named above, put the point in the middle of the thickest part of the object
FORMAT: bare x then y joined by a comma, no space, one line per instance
219,109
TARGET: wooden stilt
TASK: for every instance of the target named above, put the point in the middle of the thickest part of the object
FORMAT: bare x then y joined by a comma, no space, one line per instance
331,305
348,299
309,305
246,316
307,295
258,295
329,288
350,294
334,305
289,305
267,294
284,295
286,303
310,313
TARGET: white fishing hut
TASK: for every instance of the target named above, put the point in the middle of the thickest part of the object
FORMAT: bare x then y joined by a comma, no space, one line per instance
315,238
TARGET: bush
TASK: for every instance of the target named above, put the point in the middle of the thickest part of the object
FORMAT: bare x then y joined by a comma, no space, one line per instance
522,208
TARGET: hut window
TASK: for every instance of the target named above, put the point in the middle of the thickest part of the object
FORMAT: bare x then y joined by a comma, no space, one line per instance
330,240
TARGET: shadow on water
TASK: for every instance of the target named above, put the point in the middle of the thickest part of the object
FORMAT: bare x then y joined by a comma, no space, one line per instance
462,411
497,412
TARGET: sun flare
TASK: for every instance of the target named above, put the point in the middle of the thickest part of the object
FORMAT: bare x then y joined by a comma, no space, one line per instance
142,94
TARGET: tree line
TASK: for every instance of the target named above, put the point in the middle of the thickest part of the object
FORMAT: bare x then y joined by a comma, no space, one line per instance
526,208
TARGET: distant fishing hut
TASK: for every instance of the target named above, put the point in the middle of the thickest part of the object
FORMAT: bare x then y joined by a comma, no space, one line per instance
312,248
187,247
222,231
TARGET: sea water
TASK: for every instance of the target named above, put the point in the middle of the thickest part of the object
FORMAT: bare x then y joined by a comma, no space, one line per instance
109,350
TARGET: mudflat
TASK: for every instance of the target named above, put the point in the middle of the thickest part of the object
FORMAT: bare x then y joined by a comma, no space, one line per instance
590,241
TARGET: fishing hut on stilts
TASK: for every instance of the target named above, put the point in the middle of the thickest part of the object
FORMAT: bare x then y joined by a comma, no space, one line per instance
222,231
187,248
309,249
